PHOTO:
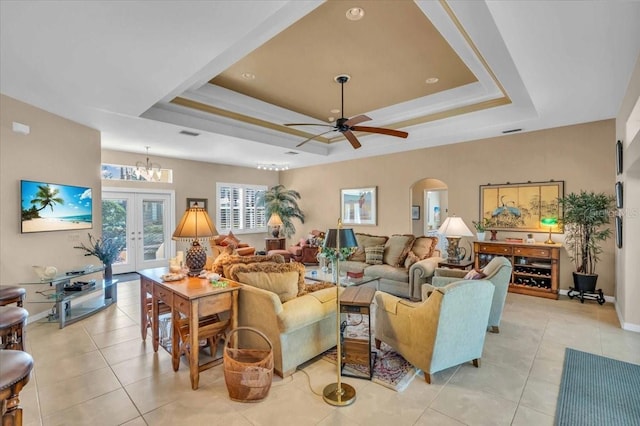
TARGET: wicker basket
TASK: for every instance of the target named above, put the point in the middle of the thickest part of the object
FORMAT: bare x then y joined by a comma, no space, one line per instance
248,372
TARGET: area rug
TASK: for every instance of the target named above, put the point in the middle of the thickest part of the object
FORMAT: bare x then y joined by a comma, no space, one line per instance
390,368
596,390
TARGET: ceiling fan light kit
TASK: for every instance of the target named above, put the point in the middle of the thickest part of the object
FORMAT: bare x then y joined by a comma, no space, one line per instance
347,126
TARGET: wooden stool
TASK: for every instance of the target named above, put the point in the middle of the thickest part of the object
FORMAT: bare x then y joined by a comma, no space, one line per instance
12,294
12,322
15,370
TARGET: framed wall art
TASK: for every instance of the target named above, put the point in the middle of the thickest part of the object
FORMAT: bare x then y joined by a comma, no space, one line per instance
619,231
522,206
202,202
358,206
619,194
618,157
415,212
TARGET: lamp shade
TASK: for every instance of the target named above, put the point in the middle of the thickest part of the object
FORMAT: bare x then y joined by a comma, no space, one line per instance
195,223
274,220
549,221
347,238
454,226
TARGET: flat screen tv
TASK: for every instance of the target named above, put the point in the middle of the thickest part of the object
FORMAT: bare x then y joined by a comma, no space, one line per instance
54,207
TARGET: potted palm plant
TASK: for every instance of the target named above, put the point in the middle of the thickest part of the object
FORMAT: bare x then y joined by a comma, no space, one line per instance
283,202
586,215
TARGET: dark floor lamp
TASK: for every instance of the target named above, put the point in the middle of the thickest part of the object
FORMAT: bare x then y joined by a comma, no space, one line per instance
339,394
194,225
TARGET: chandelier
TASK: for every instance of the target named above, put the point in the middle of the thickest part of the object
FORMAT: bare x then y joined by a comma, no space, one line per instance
148,170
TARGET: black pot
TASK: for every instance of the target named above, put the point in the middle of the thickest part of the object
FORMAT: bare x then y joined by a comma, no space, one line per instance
585,282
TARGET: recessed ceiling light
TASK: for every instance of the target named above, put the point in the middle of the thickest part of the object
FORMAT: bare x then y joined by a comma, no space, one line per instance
331,119
334,111
355,13
248,76
432,80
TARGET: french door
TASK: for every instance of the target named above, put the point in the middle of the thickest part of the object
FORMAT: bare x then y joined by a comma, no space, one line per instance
142,221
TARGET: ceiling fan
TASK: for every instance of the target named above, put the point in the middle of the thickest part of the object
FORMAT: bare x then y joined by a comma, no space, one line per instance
347,126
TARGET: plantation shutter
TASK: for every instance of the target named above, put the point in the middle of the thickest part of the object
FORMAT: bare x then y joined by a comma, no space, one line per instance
237,209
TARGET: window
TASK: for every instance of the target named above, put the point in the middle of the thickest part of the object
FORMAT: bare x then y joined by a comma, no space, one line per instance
237,209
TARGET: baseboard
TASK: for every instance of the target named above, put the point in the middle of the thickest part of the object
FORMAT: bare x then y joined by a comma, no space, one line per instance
625,325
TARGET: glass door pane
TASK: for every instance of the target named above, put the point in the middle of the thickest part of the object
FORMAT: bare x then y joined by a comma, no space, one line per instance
117,218
155,237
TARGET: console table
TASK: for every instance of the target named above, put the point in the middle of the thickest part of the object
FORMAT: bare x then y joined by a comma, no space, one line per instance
192,297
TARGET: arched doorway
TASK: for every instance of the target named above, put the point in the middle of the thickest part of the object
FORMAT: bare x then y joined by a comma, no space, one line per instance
431,198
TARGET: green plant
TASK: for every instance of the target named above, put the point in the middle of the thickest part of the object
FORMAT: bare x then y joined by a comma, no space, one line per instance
284,202
585,215
331,254
105,249
482,225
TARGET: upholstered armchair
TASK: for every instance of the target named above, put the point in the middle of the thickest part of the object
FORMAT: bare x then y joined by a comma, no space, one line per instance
498,271
306,250
448,328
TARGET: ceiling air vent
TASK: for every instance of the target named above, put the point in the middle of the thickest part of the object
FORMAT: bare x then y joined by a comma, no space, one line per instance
511,131
291,153
189,133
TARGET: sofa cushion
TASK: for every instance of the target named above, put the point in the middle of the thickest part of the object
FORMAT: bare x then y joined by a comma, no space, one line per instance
374,254
364,241
396,249
388,272
284,279
309,309
423,247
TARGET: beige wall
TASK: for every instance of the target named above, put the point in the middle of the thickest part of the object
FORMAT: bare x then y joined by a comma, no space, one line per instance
194,179
581,155
57,151
628,291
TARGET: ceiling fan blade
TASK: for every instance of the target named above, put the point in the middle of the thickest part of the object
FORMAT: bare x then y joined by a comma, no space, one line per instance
356,120
308,124
390,132
312,137
352,139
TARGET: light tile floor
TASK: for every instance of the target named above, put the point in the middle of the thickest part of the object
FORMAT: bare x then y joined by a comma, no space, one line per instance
100,372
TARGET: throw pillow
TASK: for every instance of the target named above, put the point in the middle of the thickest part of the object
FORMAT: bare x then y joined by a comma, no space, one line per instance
410,260
396,249
374,254
230,242
364,241
474,275
423,247
284,279
232,237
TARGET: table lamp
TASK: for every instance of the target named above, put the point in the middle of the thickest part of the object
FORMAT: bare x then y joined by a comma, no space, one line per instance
276,222
194,225
339,394
454,228
550,222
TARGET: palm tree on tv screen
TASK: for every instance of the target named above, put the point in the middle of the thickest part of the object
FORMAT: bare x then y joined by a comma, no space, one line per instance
47,197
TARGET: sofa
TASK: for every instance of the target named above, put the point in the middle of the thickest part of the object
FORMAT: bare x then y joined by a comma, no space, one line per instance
299,319
403,262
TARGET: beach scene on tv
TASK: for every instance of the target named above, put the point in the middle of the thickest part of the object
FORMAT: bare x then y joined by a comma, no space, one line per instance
53,207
